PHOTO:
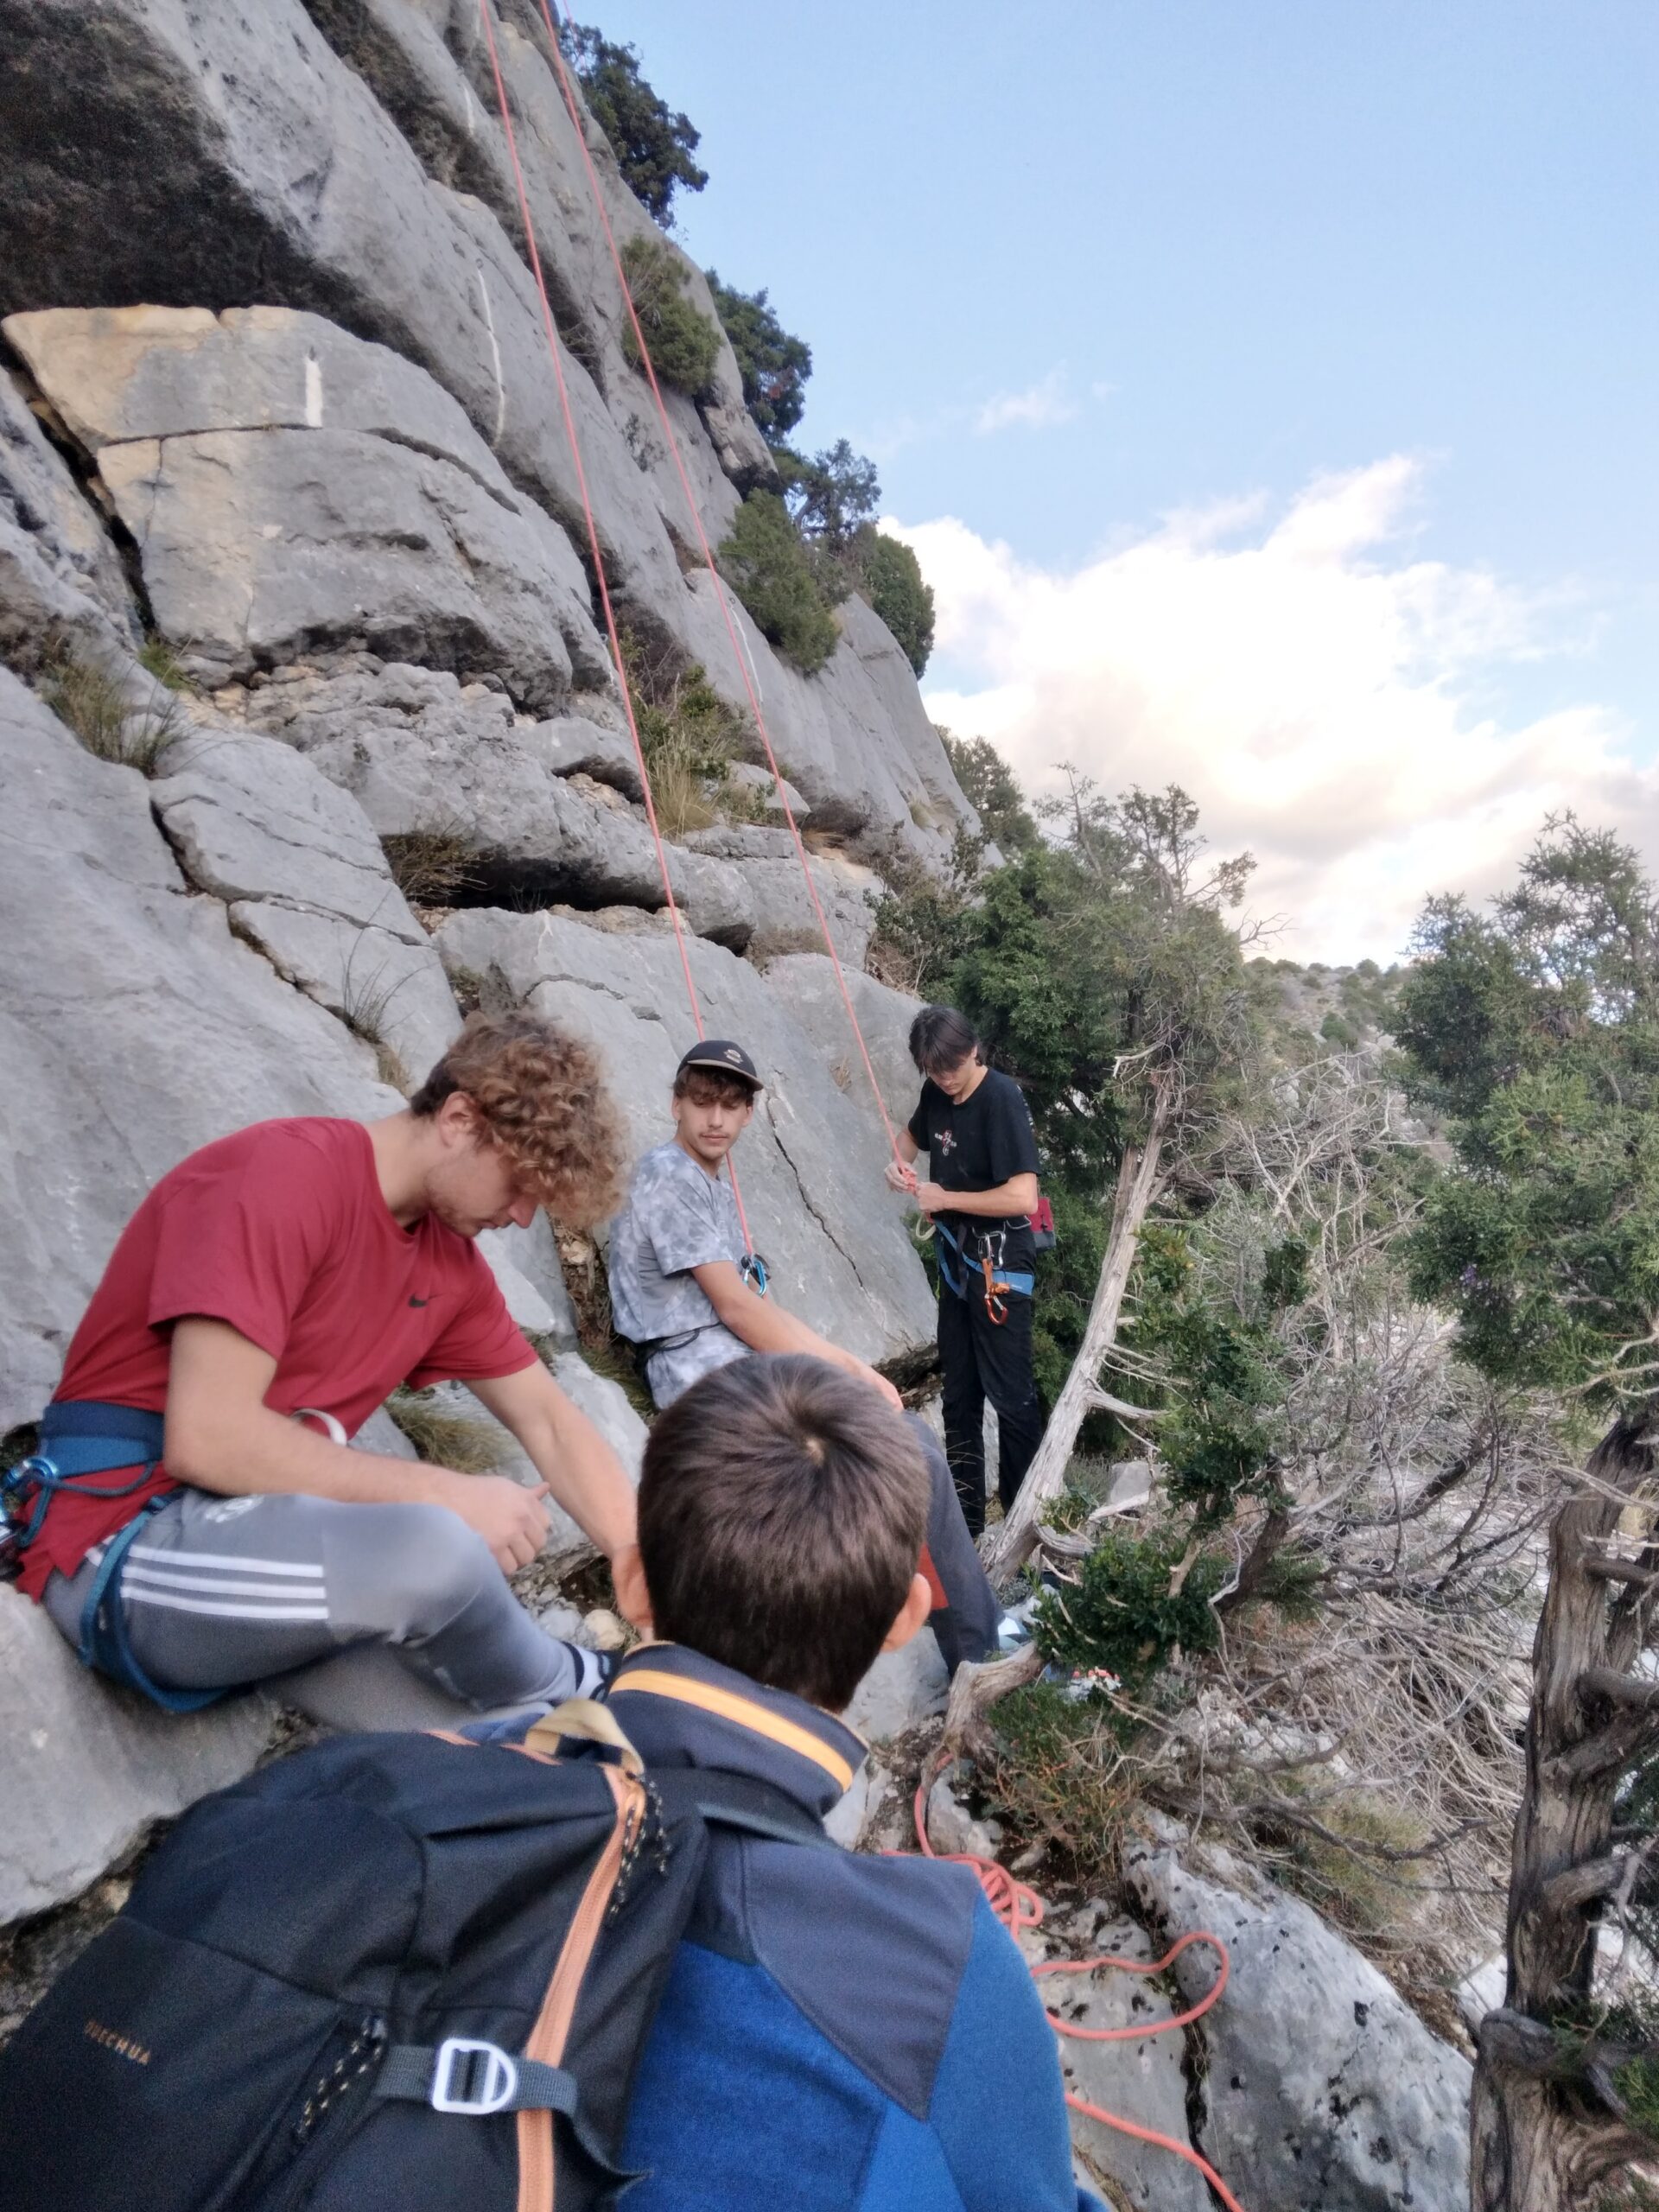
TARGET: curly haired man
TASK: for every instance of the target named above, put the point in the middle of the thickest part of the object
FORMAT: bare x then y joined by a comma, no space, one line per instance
196,1522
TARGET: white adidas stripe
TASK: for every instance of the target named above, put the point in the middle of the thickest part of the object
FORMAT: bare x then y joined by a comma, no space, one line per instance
139,1595
211,1585
218,1561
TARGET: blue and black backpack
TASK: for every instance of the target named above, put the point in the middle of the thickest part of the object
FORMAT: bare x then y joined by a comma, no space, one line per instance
391,1973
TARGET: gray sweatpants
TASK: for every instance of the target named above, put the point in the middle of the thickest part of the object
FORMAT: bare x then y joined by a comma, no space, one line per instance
219,1592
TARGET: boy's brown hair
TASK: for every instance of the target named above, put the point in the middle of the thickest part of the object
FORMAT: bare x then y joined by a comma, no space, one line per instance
542,1097
782,1511
708,1087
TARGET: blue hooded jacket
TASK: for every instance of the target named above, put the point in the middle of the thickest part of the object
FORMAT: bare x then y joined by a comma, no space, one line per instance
840,2033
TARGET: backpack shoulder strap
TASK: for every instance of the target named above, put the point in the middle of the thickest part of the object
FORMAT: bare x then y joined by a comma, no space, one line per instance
739,1800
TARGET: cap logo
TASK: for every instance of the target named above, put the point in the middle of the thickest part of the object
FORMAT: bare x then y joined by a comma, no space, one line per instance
732,1052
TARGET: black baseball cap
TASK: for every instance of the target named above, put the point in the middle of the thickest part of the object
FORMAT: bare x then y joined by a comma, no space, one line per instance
721,1057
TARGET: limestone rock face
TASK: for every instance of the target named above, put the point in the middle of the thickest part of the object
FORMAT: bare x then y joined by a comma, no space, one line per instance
134,1026
1141,2079
264,167
539,809
806,984
1323,2091
855,738
810,1164
430,69
85,1769
288,487
786,920
902,1690
60,574
259,169
305,877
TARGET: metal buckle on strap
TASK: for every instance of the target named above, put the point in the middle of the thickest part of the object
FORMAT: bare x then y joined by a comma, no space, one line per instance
480,2093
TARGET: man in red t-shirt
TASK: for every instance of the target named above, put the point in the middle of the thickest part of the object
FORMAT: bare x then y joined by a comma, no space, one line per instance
266,1297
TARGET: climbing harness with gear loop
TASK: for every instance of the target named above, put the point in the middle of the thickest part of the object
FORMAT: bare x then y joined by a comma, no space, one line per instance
997,1282
78,1442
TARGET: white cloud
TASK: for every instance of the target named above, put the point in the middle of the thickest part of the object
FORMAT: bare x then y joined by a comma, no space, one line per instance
1311,684
1037,407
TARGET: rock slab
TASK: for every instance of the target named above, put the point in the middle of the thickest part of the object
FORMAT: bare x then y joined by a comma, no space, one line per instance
291,487
134,1028
1323,2091
810,1163
1141,2078
86,1769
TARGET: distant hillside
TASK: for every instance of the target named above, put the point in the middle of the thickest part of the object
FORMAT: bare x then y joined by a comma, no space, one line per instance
1342,1007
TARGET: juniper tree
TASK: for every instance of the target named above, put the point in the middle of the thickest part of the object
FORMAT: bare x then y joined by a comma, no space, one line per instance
653,144
1535,1027
1125,987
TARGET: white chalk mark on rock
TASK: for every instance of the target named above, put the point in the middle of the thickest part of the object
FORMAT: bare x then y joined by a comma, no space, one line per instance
495,355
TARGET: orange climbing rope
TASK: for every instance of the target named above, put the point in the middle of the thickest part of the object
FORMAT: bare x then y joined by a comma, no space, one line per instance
737,653
1019,1907
1015,1904
552,334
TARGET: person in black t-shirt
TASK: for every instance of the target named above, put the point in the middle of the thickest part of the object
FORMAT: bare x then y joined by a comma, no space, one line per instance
974,1126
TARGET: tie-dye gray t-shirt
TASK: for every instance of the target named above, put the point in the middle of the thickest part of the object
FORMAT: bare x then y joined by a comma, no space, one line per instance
677,1218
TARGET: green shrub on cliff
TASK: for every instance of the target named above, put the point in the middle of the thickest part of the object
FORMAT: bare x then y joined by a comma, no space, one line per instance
892,577
773,573
684,345
653,145
773,364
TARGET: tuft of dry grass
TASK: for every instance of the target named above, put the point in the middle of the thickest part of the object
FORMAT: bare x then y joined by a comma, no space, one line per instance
443,1438
430,864
93,704
1062,1773
367,1004
158,658
681,796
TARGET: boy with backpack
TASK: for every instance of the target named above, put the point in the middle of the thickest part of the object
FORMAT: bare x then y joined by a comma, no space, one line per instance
410,1973
685,1290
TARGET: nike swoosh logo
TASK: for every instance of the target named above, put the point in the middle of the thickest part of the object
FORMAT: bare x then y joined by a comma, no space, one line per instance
419,1302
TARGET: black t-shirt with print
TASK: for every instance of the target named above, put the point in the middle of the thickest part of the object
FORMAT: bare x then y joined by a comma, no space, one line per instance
974,1146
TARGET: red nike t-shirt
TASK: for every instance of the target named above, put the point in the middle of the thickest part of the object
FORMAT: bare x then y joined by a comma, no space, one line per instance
282,1231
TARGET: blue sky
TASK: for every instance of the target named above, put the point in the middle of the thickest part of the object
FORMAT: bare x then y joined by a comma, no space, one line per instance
1070,270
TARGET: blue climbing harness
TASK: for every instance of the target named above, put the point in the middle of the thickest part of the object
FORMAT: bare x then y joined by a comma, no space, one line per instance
1000,1283
77,1440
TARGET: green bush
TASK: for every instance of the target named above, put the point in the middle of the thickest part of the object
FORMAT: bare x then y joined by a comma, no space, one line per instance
774,366
690,737
1057,1771
893,577
653,145
1120,1613
684,345
994,795
772,573
832,499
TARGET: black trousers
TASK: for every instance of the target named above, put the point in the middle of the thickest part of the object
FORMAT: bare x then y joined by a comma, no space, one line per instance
984,1359
966,1625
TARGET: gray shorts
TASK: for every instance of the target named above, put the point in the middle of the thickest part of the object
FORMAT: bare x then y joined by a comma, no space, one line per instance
222,1591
